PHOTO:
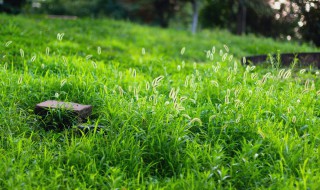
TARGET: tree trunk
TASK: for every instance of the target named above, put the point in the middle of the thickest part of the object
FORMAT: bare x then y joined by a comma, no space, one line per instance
241,17
195,16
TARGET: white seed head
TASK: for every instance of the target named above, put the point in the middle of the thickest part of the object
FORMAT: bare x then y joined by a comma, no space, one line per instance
208,54
183,50
134,73
196,120
244,60
211,56
88,57
302,71
8,43
33,58
147,86
47,50
306,84
20,80
230,57
64,60
94,64
21,52
224,56
226,48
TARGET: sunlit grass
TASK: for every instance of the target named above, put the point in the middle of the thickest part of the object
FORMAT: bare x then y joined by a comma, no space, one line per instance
177,113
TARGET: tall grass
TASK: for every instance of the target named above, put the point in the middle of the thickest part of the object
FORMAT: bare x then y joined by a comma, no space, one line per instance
176,113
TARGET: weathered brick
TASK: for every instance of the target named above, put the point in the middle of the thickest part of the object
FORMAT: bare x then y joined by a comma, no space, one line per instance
82,111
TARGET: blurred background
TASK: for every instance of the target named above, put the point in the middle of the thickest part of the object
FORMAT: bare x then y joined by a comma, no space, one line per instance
297,20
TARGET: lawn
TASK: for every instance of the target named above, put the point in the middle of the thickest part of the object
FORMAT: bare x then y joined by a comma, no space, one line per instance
178,111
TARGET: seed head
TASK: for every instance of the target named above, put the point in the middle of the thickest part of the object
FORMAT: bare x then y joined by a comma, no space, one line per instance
33,58
21,52
213,50
47,50
226,48
183,50
8,43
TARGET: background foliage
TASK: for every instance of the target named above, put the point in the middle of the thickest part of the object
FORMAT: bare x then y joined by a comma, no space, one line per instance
240,16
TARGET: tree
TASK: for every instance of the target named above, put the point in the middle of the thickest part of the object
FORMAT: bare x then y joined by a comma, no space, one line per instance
233,14
12,6
308,17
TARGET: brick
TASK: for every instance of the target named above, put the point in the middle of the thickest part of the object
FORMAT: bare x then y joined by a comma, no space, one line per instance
82,111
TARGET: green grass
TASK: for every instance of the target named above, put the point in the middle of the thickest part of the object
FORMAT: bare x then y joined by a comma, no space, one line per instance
171,120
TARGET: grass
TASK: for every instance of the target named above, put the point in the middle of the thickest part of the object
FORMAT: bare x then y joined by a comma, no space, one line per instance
173,117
